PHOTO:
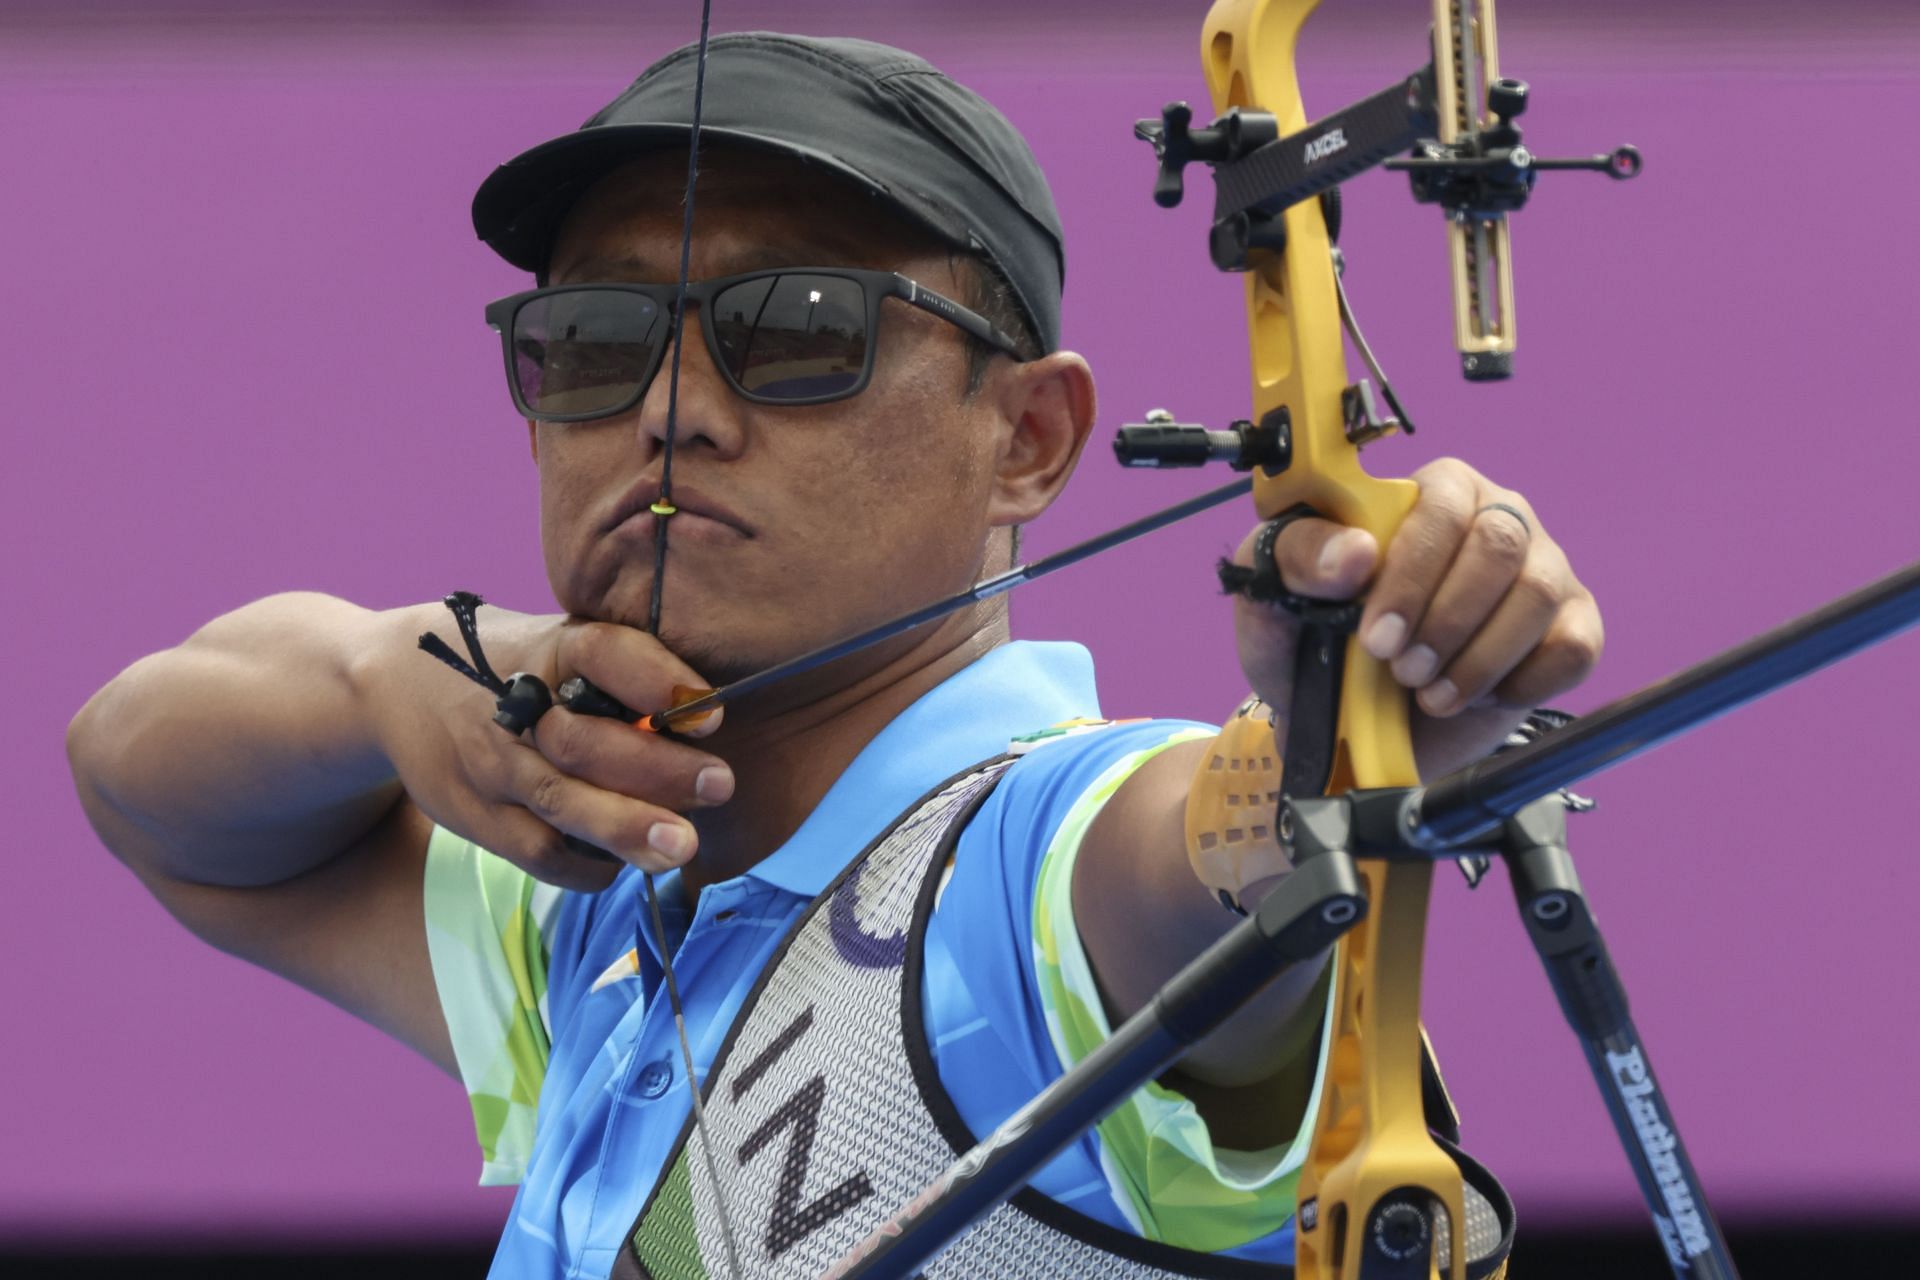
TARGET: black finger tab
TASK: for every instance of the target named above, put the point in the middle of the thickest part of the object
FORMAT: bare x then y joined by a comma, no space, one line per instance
1263,582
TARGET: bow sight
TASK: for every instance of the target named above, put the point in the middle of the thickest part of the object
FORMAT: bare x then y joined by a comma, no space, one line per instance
1476,173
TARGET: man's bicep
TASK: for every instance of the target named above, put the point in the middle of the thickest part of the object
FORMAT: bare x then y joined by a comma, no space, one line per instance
351,930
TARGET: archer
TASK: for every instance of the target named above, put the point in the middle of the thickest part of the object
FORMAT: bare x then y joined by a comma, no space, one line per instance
870,400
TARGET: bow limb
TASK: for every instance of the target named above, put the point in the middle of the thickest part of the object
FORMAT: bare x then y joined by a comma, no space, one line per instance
1370,1136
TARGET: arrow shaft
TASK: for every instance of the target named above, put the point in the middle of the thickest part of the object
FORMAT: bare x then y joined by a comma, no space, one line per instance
999,584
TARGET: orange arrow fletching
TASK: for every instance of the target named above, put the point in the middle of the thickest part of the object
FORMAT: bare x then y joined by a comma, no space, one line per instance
668,720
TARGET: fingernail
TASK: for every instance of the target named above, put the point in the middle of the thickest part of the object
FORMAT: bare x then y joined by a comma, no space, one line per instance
671,840
1335,551
714,784
1439,697
1416,666
1385,636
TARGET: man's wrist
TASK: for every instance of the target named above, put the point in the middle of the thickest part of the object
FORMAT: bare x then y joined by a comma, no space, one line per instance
380,663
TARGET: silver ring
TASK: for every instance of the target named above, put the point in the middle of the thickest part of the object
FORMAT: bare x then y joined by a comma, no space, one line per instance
1512,511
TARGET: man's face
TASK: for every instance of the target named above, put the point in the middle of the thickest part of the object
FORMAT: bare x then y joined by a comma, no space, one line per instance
820,519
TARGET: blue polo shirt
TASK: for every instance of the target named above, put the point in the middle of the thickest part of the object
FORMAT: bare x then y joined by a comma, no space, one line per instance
566,1041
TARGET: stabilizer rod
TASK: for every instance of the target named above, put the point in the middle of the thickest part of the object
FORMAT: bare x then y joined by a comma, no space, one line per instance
1465,807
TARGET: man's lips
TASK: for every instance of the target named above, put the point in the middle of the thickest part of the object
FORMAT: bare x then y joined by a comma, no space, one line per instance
686,501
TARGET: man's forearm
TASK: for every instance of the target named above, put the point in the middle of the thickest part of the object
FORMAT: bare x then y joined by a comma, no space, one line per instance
245,755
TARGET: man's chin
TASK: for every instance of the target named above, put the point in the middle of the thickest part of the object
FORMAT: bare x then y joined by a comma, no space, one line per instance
717,664
719,649
724,660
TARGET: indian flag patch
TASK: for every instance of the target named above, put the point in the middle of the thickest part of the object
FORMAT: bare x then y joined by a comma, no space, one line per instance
1065,729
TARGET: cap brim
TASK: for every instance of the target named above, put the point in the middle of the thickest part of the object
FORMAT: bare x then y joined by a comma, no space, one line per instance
519,208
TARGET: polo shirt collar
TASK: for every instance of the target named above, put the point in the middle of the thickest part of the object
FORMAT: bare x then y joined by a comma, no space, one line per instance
1017,688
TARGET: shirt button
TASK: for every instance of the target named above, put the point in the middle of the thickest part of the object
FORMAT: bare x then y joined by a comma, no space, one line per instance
655,1078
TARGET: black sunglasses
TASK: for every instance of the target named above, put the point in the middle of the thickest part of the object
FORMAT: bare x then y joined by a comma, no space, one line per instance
801,335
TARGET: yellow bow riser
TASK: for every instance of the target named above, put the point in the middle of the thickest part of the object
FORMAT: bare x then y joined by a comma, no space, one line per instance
1370,1136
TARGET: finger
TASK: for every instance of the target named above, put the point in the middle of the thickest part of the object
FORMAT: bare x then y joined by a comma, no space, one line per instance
1325,560
621,758
541,851
649,836
1563,659
1417,558
1512,633
632,666
1491,560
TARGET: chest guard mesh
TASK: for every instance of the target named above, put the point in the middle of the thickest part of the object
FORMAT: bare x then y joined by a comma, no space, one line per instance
826,1113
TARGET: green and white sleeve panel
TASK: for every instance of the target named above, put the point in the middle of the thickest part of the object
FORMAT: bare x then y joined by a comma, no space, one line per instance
1161,1163
489,928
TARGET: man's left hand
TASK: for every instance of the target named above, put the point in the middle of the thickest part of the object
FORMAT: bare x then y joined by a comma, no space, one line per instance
1475,608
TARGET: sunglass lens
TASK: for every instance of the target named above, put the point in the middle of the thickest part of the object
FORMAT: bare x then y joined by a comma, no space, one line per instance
585,351
793,337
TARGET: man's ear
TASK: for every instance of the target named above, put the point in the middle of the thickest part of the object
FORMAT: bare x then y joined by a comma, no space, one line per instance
1049,407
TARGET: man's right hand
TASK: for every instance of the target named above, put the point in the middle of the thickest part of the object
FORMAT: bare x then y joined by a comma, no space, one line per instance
273,781
609,784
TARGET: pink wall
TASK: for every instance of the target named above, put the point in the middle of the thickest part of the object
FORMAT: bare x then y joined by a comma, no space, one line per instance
243,353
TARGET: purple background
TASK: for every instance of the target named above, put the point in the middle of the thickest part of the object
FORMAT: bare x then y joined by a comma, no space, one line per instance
243,353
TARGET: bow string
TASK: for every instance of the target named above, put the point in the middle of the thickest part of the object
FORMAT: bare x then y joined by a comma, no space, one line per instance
663,511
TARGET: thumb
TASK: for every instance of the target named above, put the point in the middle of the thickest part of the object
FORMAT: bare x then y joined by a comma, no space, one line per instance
1325,560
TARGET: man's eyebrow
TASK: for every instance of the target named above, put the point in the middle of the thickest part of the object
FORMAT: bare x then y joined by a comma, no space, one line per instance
807,252
605,268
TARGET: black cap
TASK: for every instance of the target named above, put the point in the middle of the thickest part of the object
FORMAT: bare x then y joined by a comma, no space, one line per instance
878,116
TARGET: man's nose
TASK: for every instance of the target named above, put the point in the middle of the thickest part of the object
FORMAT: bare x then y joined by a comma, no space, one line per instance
702,410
